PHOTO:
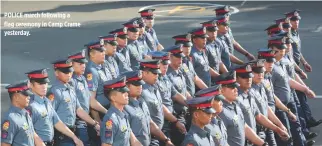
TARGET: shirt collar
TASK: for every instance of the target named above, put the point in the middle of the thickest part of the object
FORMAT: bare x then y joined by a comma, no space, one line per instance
38,99
201,132
118,112
17,110
98,66
78,77
228,105
134,102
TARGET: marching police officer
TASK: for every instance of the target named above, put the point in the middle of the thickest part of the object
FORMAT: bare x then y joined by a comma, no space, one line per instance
151,37
110,45
139,115
63,97
217,128
17,127
115,126
143,35
83,94
43,116
123,60
232,115
200,60
187,69
201,111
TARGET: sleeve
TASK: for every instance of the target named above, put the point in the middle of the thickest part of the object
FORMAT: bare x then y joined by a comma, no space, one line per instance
189,142
155,37
174,91
34,115
78,105
56,118
255,108
92,79
108,131
8,131
55,97
231,35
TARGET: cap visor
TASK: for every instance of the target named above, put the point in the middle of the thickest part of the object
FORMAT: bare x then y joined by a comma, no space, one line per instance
66,70
133,29
166,62
41,81
123,89
27,92
281,47
212,29
245,75
286,25
155,71
137,83
124,36
258,69
224,23
101,49
270,60
187,44
113,43
82,60
219,97
202,36
295,18
178,55
209,110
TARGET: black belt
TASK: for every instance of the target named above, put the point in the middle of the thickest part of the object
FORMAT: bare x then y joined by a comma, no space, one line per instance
248,143
60,136
49,143
261,129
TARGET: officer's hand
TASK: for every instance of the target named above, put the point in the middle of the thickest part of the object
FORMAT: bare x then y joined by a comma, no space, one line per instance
283,134
147,57
97,128
291,116
181,128
78,142
303,75
169,143
250,57
307,67
310,93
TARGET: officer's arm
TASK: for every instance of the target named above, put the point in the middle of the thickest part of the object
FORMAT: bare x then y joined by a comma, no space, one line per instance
134,141
299,80
261,119
180,99
84,116
213,73
38,141
240,49
252,136
156,131
222,67
92,82
95,104
280,105
273,117
60,126
296,85
200,84
5,144
160,47
168,115
236,60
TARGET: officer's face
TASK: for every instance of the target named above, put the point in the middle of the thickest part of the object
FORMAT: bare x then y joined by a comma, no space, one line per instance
150,77
295,24
121,42
222,29
39,89
268,66
258,77
200,42
135,91
203,117
245,83
110,50
175,61
212,35
63,77
22,100
120,98
133,35
79,68
164,68
186,50
98,56
230,93
149,22
217,105
288,48
279,53
141,30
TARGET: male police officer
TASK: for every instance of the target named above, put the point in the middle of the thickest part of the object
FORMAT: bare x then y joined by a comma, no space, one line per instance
83,94
115,127
64,101
217,128
110,45
43,115
139,116
187,69
123,60
232,115
17,127
201,110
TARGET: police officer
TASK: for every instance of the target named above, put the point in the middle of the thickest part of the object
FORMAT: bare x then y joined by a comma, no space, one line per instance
83,94
232,115
187,69
17,127
299,58
139,115
115,126
151,95
199,134
200,60
284,23
43,115
225,10
110,45
151,37
282,84
123,60
225,41
134,48
217,128
169,94
63,97
212,47
142,40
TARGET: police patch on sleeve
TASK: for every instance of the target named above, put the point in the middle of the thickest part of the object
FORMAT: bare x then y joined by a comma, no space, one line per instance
51,97
5,125
4,134
109,124
89,77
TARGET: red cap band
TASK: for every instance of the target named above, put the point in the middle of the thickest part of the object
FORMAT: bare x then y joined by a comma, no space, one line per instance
132,25
62,65
76,57
144,14
241,71
117,85
266,54
275,42
133,79
150,65
203,105
38,76
226,82
18,89
209,94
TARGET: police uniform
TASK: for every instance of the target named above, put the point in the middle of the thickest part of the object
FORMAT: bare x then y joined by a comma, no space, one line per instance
143,38
83,95
187,67
123,61
232,115
217,128
115,127
200,59
110,61
16,125
152,96
198,136
225,42
97,74
151,37
134,47
43,115
138,111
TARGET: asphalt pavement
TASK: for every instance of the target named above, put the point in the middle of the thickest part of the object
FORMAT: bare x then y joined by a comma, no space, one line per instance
20,54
